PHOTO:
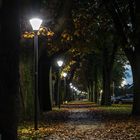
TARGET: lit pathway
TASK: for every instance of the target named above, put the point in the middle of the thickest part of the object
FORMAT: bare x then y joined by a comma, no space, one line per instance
80,124
86,121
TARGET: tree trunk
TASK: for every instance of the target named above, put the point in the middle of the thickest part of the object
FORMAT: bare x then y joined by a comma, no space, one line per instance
133,55
106,96
90,89
107,88
9,71
95,85
135,63
26,82
44,86
134,58
55,90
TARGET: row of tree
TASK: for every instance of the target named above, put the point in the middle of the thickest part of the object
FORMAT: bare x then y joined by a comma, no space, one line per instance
83,29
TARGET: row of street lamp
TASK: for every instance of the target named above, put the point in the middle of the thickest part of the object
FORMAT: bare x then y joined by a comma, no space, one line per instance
76,89
77,93
60,64
36,23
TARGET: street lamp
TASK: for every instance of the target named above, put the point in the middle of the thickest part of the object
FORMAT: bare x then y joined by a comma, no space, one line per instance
59,63
64,74
36,23
65,87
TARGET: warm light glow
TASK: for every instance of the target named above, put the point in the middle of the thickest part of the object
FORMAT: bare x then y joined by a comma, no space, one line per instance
101,91
60,63
65,74
35,23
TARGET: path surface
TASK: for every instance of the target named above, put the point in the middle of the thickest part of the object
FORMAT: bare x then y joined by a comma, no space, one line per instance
79,125
85,121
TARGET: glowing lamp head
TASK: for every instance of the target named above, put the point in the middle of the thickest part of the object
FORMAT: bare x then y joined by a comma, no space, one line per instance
70,84
65,74
72,87
35,23
60,63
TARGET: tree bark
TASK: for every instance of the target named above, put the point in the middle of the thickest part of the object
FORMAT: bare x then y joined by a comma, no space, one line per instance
134,57
106,96
9,71
44,86
95,85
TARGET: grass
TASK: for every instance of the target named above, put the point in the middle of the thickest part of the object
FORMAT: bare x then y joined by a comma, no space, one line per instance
117,108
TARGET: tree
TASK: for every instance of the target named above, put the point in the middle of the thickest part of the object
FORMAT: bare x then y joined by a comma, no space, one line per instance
26,81
126,17
56,16
59,17
94,29
9,72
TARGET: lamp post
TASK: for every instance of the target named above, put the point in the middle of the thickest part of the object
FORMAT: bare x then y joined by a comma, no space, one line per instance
36,23
65,89
72,90
59,63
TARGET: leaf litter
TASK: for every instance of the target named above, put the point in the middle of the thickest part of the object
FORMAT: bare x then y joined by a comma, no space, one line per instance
86,122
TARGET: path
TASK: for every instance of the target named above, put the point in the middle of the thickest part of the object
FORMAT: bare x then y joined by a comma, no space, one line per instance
85,121
79,126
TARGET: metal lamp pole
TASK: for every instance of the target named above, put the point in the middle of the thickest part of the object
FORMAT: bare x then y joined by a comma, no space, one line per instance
65,89
58,94
36,81
59,63
36,23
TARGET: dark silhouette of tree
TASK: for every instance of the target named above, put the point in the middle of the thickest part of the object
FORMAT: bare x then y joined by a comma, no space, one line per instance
59,21
9,71
126,17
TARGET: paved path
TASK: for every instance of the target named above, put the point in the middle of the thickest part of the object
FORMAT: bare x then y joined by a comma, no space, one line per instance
79,126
